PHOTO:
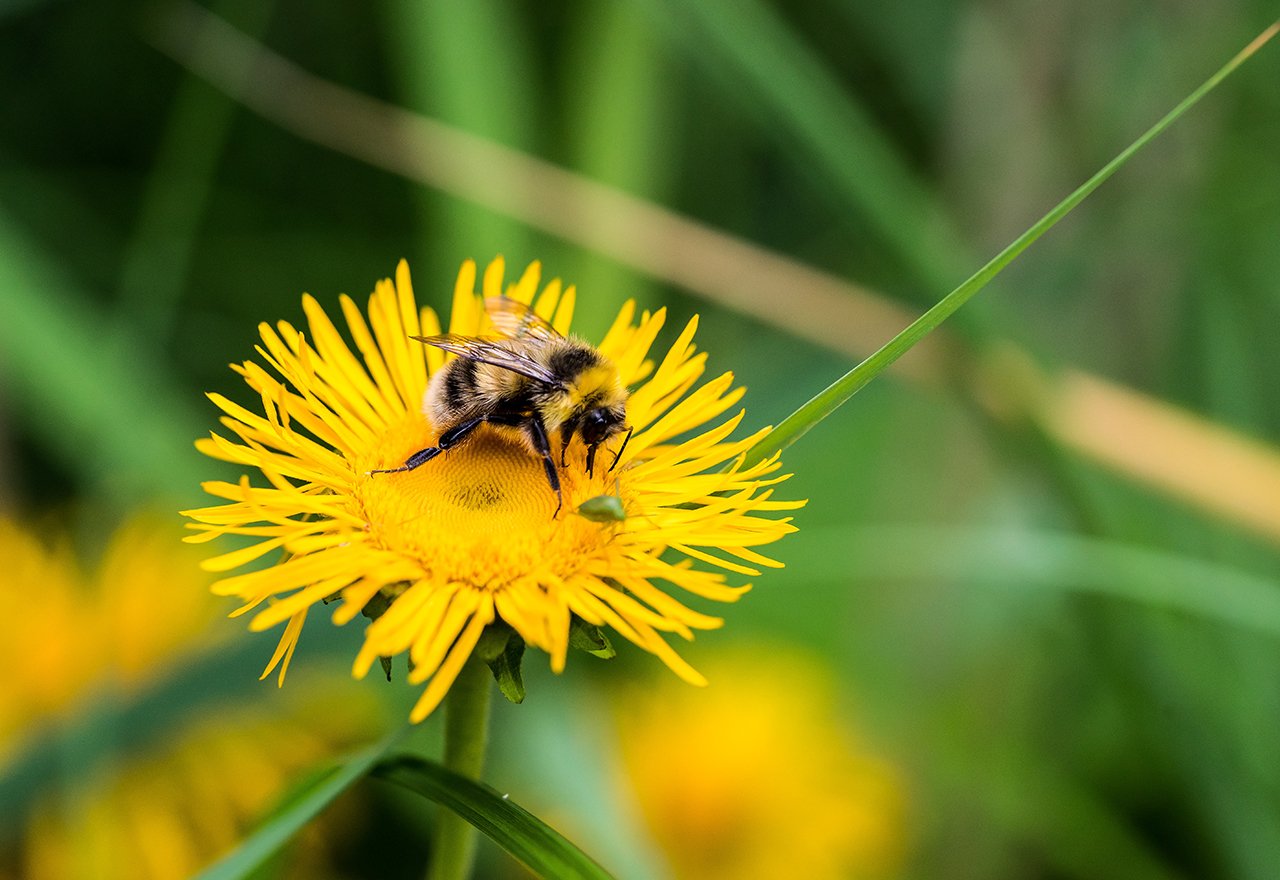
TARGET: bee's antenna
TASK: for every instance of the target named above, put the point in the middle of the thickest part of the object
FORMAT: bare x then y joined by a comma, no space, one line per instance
625,440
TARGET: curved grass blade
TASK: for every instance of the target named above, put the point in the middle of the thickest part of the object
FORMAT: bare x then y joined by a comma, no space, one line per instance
296,811
829,399
526,837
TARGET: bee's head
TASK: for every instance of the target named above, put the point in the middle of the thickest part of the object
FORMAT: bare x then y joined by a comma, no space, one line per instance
597,426
600,424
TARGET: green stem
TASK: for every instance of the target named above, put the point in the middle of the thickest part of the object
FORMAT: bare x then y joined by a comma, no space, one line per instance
466,732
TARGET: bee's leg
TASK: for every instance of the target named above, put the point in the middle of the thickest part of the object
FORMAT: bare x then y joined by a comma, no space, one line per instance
625,441
421,457
458,433
566,437
448,440
538,435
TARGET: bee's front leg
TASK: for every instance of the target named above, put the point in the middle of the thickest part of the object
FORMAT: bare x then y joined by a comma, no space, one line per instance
538,436
618,455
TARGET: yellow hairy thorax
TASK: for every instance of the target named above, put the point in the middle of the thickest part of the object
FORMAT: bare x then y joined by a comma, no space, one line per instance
599,381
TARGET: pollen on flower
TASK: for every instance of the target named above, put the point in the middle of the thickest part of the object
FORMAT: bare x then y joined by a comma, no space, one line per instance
472,536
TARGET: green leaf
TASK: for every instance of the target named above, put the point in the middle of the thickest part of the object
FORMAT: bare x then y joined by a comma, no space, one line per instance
296,811
829,399
526,837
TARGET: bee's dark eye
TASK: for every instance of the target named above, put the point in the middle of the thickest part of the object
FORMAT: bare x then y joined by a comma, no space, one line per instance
595,426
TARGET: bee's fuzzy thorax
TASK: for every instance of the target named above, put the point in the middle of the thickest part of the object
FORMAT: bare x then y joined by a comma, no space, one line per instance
598,383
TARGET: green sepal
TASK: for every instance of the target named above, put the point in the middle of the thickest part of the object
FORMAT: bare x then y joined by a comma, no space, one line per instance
493,641
506,670
377,605
373,609
590,638
502,650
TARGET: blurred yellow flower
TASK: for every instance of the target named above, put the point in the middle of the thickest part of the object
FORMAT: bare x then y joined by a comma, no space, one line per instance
172,810
68,635
472,537
72,636
755,778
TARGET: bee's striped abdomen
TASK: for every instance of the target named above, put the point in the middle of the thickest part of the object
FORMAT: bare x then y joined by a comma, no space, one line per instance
459,384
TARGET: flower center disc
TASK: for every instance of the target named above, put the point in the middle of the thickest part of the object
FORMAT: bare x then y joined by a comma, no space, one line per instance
481,512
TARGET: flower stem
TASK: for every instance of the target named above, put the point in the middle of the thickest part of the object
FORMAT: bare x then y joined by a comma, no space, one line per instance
466,732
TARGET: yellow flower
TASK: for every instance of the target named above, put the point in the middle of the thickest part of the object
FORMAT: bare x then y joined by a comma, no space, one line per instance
68,635
71,636
470,538
190,796
756,777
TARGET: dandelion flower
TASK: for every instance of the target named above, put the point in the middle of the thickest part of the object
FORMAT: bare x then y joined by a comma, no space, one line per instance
437,554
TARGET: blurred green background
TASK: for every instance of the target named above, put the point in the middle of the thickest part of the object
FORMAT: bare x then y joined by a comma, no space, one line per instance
1076,674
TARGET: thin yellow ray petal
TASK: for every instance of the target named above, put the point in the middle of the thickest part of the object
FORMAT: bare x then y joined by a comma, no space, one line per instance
430,645
449,670
295,603
243,556
392,339
545,308
619,334
629,361
334,351
524,290
431,327
492,284
284,648
563,319
372,355
715,560
409,322
465,316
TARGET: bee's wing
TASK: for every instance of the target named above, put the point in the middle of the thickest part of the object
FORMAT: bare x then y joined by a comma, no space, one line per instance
488,351
516,320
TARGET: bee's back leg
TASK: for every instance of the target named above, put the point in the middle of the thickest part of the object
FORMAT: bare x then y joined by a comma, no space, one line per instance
538,435
448,440
419,458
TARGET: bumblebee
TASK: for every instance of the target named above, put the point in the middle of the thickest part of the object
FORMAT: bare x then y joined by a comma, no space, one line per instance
530,379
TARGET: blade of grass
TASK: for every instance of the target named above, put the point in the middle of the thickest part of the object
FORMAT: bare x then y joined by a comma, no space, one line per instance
537,845
835,395
299,808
